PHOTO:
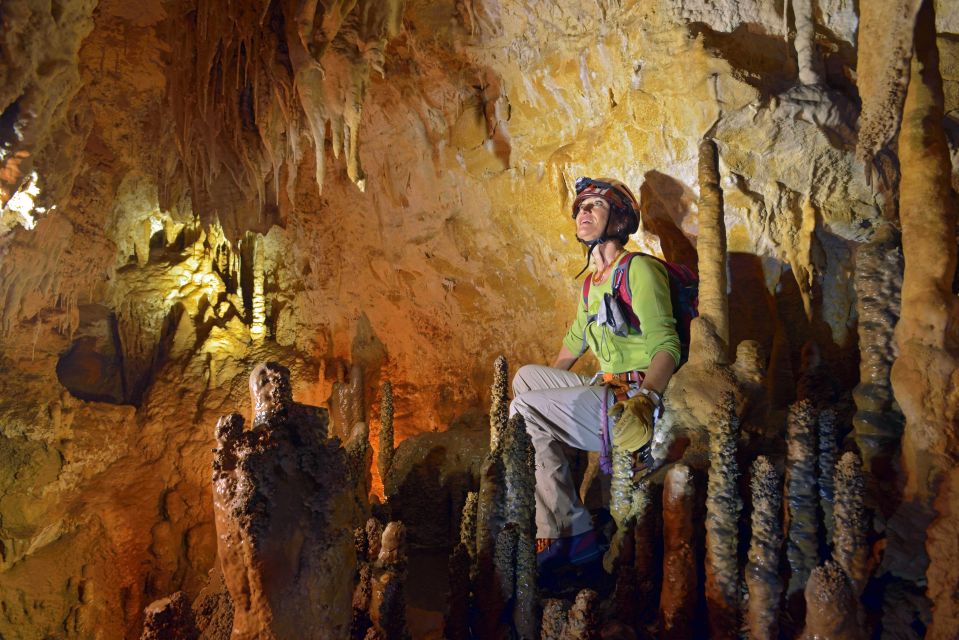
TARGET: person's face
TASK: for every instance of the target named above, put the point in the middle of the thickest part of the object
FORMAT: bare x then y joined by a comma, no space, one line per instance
591,218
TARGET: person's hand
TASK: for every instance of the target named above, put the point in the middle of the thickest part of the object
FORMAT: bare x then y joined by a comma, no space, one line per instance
634,428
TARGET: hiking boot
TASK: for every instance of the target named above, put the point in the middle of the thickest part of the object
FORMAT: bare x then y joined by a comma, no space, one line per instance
570,552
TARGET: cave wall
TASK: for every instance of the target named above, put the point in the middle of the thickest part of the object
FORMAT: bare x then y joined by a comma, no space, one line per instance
205,199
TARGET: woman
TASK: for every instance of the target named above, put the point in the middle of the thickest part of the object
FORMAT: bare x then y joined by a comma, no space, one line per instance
638,350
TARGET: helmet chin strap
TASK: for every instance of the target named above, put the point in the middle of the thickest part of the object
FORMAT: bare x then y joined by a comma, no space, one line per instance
590,245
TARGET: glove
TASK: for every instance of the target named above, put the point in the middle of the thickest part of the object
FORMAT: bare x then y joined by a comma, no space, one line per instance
634,428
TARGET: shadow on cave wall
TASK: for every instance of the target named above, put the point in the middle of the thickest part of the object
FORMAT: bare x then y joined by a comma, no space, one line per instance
665,202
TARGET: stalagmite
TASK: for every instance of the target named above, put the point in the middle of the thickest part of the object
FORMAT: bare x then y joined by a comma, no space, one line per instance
831,606
878,281
284,537
723,506
762,568
456,621
582,622
388,599
624,491
347,401
677,603
555,613
925,376
468,527
802,545
520,510
850,545
387,449
828,458
711,246
499,401
490,519
170,618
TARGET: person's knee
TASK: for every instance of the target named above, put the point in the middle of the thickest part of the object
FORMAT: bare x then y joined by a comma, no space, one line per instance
518,405
521,379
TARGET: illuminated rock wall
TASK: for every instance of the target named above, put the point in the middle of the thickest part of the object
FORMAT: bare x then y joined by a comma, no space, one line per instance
373,184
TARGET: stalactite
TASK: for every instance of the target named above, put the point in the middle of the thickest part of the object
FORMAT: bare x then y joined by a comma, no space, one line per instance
885,47
762,568
499,401
850,546
582,621
878,282
828,457
677,604
925,376
806,56
456,621
831,606
288,87
384,459
555,613
258,321
723,506
802,545
711,246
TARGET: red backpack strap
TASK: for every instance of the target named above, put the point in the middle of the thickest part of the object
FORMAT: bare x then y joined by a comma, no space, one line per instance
621,287
586,293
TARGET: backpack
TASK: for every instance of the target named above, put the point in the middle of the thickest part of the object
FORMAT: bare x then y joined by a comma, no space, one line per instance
683,293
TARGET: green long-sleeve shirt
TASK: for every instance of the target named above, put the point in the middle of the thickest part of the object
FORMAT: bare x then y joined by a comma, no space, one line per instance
649,286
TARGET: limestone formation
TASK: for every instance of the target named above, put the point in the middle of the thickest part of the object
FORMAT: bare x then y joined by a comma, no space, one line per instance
387,448
163,230
499,401
347,401
723,506
388,582
802,546
284,536
582,622
713,300
555,613
878,279
850,545
468,526
831,606
925,376
828,458
765,549
677,603
456,620
170,618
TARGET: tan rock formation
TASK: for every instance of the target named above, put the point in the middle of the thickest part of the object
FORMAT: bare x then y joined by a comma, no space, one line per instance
283,517
832,610
765,550
678,597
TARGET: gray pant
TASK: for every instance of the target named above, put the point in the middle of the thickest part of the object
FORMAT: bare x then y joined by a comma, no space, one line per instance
559,407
